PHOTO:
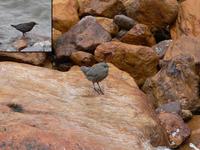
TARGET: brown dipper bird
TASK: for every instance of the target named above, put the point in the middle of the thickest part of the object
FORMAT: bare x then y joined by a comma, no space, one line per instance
25,27
96,74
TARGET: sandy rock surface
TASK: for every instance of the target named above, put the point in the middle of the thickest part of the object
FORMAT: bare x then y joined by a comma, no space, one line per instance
48,109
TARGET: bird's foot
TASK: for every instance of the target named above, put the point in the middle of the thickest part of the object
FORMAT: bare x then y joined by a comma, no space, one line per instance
97,91
100,90
95,88
24,35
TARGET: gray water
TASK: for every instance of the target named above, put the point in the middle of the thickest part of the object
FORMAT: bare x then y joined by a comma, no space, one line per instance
21,11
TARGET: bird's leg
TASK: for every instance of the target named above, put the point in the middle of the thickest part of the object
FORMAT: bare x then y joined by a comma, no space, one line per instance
100,88
95,88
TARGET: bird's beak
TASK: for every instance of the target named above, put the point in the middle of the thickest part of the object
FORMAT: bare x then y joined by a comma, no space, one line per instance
36,24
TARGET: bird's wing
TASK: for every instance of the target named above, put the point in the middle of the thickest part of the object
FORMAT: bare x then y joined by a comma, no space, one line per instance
93,72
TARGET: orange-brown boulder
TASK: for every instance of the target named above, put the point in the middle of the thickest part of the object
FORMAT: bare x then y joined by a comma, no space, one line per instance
188,20
108,25
139,61
30,58
154,13
139,35
176,81
65,14
194,140
186,45
83,58
177,130
47,109
103,8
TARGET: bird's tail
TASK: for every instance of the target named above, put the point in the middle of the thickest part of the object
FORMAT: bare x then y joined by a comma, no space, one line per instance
12,25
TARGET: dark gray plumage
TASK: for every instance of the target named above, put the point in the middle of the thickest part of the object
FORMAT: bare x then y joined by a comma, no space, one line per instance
96,73
25,27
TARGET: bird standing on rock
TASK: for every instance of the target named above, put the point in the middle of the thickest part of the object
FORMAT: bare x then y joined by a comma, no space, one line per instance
96,74
25,27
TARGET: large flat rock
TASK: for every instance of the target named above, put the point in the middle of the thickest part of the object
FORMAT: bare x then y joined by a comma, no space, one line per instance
47,109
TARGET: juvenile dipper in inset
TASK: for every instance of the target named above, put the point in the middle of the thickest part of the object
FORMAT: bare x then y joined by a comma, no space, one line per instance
25,27
96,74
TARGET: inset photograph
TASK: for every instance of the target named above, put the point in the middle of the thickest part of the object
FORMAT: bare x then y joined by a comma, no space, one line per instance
25,25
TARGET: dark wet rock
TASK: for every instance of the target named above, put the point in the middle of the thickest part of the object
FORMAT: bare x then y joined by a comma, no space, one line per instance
161,34
139,35
120,34
186,115
103,8
63,64
175,127
31,58
152,13
86,35
82,58
176,81
162,47
124,22
139,61
171,107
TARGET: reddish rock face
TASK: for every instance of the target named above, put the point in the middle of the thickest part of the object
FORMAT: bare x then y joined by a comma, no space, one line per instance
188,20
177,130
154,13
139,61
85,36
139,35
65,14
176,81
82,58
194,139
186,45
30,58
103,8
47,109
